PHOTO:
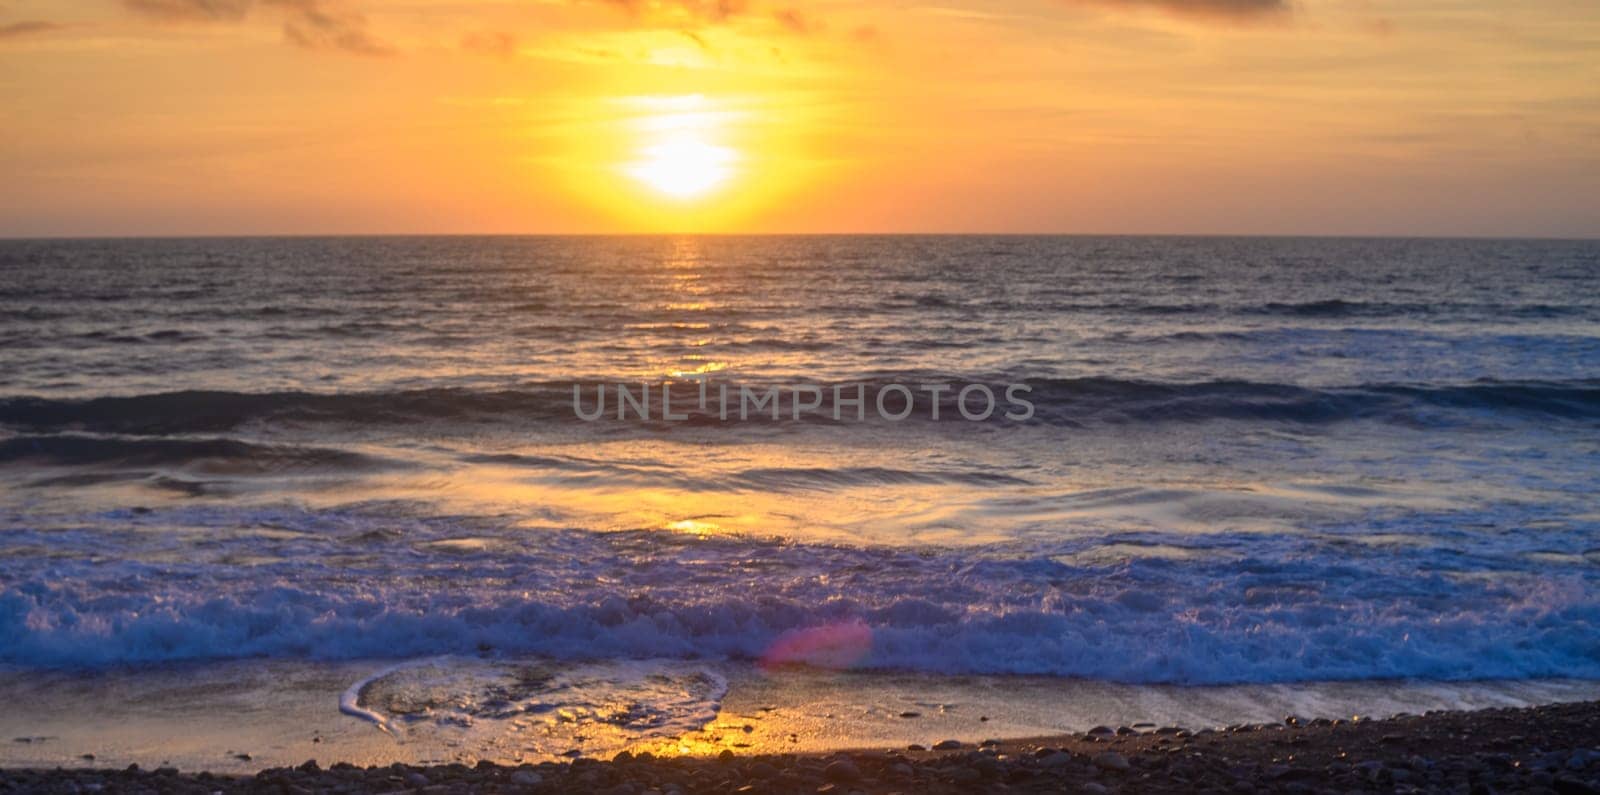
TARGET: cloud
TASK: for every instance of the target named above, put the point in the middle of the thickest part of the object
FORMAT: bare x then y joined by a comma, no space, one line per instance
495,43
1213,10
311,24
191,10
679,11
796,21
28,28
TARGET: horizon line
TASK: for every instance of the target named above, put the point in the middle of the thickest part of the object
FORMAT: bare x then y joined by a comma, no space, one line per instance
1594,237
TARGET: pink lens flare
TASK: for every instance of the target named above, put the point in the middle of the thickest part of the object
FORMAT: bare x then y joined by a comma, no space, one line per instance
834,646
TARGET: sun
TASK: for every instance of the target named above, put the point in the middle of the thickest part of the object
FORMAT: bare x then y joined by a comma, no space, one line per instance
679,144
683,165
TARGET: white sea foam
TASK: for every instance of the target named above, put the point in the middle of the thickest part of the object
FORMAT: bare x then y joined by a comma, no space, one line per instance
1355,601
547,706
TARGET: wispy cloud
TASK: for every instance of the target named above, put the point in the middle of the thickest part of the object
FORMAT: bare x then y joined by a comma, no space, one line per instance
678,11
1211,10
28,28
191,10
796,21
311,24
314,25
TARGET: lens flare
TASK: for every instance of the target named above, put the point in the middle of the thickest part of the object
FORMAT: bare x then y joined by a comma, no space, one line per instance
834,646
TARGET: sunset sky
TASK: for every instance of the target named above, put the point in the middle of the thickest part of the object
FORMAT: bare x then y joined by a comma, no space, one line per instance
1409,117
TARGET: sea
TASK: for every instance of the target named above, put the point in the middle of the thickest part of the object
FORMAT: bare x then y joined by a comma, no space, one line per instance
1254,474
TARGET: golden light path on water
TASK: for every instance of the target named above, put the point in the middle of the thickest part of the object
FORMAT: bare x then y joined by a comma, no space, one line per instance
771,483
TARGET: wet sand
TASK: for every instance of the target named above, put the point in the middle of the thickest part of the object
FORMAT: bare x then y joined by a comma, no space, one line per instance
239,717
1538,749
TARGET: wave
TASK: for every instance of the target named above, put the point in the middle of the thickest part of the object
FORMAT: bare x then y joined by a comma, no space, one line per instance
1043,301
200,411
216,456
1058,401
762,479
1294,610
1122,400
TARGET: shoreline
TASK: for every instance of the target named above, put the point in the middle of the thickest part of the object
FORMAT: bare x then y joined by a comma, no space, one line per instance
237,718
1553,748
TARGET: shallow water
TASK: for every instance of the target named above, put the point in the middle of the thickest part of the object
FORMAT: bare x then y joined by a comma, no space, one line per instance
1251,461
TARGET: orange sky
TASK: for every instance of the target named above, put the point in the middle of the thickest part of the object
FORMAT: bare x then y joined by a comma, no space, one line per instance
1447,117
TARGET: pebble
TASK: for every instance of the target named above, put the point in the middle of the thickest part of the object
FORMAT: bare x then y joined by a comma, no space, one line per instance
842,771
964,775
1057,759
1467,753
1111,760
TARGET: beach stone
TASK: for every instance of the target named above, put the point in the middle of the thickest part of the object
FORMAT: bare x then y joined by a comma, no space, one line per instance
416,780
526,778
1371,769
1111,760
1095,788
1057,759
964,775
947,745
842,771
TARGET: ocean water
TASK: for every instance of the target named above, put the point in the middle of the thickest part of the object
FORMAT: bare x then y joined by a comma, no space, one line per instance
1249,461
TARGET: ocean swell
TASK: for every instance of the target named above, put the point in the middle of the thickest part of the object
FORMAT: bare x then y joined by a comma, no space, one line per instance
1058,401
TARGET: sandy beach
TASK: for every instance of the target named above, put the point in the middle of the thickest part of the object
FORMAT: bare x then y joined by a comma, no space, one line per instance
1539,749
